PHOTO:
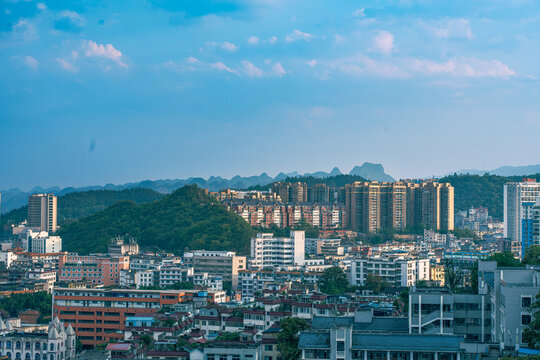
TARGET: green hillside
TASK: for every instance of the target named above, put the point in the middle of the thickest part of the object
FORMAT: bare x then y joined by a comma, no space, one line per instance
335,181
485,190
75,205
187,218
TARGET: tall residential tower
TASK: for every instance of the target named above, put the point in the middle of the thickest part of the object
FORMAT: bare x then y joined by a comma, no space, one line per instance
42,212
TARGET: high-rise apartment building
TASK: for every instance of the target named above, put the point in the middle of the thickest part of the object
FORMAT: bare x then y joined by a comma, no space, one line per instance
42,212
291,192
519,202
371,206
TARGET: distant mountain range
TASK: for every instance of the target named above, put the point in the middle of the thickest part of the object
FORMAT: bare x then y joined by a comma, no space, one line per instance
15,198
502,171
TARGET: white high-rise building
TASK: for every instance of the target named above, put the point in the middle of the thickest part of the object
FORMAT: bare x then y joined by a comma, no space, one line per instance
268,251
519,201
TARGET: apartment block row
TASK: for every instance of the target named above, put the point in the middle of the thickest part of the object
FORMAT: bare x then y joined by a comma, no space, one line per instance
266,214
371,206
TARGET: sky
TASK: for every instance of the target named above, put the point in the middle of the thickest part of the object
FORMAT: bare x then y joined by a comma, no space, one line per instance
96,92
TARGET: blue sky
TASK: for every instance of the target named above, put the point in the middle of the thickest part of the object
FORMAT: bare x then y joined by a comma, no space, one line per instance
96,92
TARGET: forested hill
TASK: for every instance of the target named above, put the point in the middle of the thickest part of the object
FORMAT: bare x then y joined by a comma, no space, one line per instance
485,190
336,181
75,205
187,218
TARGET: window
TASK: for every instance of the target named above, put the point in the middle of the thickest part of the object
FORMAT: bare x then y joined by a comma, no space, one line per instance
526,301
525,319
268,347
340,346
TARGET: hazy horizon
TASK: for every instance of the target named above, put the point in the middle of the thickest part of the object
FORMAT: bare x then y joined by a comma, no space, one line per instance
96,92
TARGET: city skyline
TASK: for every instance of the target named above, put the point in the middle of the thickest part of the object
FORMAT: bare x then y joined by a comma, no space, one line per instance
97,93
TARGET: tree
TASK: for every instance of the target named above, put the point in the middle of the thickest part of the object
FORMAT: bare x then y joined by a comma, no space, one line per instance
532,255
531,335
146,340
505,259
375,283
333,281
181,342
288,337
183,285
453,278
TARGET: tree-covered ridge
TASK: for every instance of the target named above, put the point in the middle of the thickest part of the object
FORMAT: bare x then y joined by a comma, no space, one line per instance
75,205
336,181
486,191
187,218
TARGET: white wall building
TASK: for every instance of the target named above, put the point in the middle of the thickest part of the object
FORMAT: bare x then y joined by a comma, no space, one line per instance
393,272
268,251
7,257
41,243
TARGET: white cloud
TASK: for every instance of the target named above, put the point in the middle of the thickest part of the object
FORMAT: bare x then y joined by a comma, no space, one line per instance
384,42
193,60
278,70
463,67
298,35
226,45
222,67
338,39
66,65
252,40
76,19
41,6
450,28
107,51
359,13
250,70
273,40
31,62
312,62
229,46
362,65
25,30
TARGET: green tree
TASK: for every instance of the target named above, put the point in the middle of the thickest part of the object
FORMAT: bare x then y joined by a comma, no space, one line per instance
453,277
531,335
505,259
183,285
333,281
288,337
532,255
374,283
146,340
181,342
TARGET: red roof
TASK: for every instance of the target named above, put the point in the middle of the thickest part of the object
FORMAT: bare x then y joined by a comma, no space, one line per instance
118,347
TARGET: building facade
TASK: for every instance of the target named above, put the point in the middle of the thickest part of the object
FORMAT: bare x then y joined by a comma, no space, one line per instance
217,263
268,251
519,202
42,212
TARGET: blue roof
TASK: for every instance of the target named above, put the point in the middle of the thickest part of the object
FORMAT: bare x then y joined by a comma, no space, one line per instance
378,324
383,342
526,351
407,342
